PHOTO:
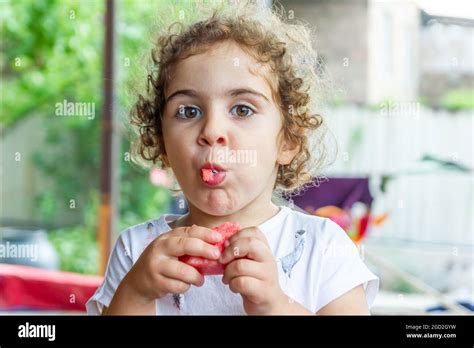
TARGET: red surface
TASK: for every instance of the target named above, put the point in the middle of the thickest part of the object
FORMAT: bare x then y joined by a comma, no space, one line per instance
35,288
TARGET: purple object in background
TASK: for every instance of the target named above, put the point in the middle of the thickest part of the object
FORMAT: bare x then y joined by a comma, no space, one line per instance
341,192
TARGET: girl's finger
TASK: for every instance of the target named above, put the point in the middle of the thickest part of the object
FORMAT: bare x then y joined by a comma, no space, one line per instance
171,285
194,231
244,267
181,271
249,232
246,286
250,247
182,245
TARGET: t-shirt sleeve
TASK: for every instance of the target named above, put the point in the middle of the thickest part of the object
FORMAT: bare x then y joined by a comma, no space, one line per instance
342,268
119,264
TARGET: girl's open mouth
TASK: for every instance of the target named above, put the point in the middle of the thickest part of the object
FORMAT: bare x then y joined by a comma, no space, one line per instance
212,174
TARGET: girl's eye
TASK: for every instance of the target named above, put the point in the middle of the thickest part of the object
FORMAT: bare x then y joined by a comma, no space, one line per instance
188,112
242,111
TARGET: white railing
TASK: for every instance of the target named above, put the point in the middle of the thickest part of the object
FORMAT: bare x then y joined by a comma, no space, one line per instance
429,233
432,206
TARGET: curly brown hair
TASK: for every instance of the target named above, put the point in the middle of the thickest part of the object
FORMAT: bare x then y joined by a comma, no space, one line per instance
265,35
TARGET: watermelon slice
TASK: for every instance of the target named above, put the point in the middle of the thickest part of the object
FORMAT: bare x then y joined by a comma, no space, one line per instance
213,267
207,174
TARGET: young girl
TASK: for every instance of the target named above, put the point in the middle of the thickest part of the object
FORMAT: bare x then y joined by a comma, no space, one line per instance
230,111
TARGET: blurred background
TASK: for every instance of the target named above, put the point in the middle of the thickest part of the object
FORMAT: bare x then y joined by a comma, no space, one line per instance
401,185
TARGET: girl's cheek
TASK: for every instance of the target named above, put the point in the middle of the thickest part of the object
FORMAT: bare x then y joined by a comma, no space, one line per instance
174,131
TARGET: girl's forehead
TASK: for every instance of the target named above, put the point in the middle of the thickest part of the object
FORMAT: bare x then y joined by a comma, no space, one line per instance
222,66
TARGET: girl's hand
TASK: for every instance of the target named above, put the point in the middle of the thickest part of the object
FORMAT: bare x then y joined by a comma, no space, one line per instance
158,271
252,272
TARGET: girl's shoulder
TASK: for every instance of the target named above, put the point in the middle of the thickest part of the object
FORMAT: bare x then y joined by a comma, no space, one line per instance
135,238
157,225
318,228
300,233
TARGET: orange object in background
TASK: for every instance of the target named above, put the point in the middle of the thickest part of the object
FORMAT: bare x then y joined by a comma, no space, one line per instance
355,224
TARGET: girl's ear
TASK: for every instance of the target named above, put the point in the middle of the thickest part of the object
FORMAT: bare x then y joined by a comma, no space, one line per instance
287,150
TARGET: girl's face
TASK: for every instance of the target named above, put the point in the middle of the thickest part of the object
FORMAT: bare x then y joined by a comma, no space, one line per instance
220,111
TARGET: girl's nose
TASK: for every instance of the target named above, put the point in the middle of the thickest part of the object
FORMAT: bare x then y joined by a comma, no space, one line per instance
212,132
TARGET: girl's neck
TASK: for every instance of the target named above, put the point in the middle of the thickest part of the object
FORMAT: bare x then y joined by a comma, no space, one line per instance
251,215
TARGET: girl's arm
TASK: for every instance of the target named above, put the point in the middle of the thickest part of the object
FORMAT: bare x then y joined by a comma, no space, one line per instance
157,272
127,302
351,303
252,272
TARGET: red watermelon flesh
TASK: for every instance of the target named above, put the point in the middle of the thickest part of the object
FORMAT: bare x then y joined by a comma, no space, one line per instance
207,175
213,267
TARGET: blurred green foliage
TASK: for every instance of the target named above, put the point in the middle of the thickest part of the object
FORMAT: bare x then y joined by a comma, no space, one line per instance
51,51
76,246
459,99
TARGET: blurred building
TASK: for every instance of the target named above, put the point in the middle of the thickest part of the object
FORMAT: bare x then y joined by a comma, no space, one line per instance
370,48
447,55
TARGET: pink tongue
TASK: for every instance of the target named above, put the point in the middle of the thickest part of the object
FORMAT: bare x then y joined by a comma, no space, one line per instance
207,174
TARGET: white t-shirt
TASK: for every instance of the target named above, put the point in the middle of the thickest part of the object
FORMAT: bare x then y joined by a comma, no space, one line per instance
317,263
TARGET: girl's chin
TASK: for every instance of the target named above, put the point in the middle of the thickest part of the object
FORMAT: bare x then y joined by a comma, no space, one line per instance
218,204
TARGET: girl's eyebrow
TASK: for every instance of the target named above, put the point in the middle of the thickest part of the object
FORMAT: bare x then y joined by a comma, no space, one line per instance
239,91
233,92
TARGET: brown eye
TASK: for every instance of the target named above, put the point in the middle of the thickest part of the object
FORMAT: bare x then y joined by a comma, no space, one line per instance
242,111
188,112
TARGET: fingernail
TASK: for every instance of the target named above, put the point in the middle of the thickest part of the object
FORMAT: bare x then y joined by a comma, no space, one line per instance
226,244
216,252
216,236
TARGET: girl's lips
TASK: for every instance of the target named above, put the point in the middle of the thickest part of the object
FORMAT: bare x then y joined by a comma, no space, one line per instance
209,165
